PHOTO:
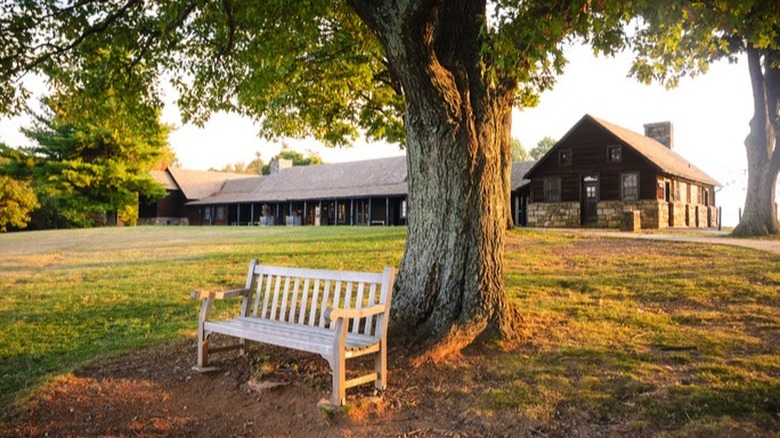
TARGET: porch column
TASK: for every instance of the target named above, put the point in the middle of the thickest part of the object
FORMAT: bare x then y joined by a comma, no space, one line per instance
369,212
352,212
387,211
238,214
251,214
304,219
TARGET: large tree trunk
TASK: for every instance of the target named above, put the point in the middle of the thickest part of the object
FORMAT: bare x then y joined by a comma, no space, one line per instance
450,287
763,156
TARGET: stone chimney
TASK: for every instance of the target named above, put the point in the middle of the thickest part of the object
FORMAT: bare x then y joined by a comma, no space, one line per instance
279,164
662,132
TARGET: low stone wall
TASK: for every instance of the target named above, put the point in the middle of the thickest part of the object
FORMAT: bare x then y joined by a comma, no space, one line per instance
712,211
678,215
164,221
654,214
554,214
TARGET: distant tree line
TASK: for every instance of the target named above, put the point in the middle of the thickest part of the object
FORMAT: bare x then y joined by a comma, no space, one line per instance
259,167
537,152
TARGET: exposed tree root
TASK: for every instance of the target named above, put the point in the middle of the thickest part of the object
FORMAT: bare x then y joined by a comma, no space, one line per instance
504,330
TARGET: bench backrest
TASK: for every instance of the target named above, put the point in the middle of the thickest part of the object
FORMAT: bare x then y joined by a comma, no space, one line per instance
301,296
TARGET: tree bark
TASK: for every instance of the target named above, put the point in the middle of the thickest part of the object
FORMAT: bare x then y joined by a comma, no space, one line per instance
763,156
450,286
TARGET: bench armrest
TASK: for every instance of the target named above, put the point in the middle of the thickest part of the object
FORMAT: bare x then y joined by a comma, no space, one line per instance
199,295
333,314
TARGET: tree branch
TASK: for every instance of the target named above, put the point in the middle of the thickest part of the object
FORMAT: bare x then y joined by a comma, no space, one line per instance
93,30
232,25
154,35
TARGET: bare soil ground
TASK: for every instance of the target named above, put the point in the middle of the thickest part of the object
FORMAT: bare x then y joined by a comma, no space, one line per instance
155,393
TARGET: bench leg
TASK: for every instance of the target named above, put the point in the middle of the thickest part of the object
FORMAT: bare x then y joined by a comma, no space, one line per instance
203,352
380,368
339,394
203,338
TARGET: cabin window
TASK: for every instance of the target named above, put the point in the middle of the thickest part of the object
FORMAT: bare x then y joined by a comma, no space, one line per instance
629,186
552,189
220,213
564,157
614,154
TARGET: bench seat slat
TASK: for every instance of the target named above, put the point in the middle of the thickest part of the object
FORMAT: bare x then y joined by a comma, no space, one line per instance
298,337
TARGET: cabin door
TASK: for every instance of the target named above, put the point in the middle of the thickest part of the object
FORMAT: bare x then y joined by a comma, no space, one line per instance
590,199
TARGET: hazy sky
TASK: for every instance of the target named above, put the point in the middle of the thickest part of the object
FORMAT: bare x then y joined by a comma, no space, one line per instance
710,114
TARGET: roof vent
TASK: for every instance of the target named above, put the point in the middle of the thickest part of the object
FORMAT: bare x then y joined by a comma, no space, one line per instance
662,132
279,164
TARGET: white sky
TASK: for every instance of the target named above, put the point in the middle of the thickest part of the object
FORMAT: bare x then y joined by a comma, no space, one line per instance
710,115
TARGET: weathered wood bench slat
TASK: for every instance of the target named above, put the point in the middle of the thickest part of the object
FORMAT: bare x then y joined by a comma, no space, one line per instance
316,311
295,337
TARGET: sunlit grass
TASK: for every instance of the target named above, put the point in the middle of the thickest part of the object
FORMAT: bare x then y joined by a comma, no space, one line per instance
72,296
656,336
672,336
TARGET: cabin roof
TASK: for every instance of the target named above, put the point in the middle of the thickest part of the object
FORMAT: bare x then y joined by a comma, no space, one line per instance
379,177
519,169
665,159
165,179
198,184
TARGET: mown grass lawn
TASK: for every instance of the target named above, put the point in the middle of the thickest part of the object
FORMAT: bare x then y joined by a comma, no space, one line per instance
655,335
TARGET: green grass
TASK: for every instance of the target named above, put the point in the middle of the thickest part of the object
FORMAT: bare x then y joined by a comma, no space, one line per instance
74,295
672,338
667,335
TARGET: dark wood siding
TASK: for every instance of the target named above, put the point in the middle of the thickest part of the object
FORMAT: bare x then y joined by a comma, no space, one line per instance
589,157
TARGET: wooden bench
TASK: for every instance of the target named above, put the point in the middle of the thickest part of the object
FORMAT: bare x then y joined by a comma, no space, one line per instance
336,314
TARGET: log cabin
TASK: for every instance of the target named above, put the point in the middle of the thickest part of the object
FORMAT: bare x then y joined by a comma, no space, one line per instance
599,171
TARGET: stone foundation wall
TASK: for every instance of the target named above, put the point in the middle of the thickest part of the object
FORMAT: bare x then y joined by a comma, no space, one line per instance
693,216
654,214
702,216
712,211
554,214
164,221
678,214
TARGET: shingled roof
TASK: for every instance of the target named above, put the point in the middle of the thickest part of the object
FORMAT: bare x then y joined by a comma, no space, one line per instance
198,184
379,177
165,179
667,160
519,170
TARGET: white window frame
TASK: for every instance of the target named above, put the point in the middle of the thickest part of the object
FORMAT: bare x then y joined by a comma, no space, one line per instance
623,195
547,191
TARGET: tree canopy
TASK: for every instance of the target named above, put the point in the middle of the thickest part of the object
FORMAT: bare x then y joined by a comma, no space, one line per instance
542,146
17,201
95,141
518,151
